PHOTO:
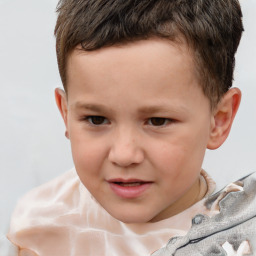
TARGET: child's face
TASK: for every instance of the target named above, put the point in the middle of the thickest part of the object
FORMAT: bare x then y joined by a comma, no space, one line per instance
139,125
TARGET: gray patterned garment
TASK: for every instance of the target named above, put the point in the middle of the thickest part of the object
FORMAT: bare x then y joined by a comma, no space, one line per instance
232,231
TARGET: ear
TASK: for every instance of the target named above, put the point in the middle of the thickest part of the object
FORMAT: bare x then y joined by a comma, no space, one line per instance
61,101
223,117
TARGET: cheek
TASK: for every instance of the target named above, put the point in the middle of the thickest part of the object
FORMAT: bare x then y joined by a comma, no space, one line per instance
178,167
170,152
178,157
168,162
88,155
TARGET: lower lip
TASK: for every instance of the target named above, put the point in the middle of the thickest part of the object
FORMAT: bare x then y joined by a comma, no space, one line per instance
129,192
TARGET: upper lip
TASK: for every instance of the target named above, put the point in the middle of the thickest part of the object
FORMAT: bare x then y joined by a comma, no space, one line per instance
121,180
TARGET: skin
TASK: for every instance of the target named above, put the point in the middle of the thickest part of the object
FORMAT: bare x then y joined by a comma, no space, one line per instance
155,125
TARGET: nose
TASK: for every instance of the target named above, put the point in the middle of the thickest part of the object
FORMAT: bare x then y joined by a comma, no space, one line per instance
125,149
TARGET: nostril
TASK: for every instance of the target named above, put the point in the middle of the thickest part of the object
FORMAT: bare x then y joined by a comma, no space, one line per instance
124,152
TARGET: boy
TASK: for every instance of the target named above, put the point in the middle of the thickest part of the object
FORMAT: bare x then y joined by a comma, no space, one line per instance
147,90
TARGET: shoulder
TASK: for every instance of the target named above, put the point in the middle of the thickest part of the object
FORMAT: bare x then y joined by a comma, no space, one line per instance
235,199
50,215
229,227
47,201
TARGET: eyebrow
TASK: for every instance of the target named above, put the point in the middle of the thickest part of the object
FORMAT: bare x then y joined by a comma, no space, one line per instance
153,109
143,110
89,106
163,108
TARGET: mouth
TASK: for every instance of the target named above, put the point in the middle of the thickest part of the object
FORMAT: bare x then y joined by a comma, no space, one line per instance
129,184
129,188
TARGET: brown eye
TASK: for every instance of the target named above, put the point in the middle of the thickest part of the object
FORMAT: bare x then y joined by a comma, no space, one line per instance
158,121
97,120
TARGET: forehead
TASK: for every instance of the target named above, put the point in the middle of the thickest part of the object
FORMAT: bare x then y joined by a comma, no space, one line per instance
154,53
148,70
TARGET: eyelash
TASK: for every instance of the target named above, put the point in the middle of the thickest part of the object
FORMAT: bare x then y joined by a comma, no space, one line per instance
88,119
167,121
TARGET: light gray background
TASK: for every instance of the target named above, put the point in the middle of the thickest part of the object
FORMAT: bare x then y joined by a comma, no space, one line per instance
33,147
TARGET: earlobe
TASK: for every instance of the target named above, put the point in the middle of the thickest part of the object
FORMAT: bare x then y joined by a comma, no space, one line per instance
223,117
61,101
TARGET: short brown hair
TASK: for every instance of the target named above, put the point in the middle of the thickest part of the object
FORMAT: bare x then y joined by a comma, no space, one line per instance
212,28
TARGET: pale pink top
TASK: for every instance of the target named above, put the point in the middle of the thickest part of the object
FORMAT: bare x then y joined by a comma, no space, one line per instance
61,218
